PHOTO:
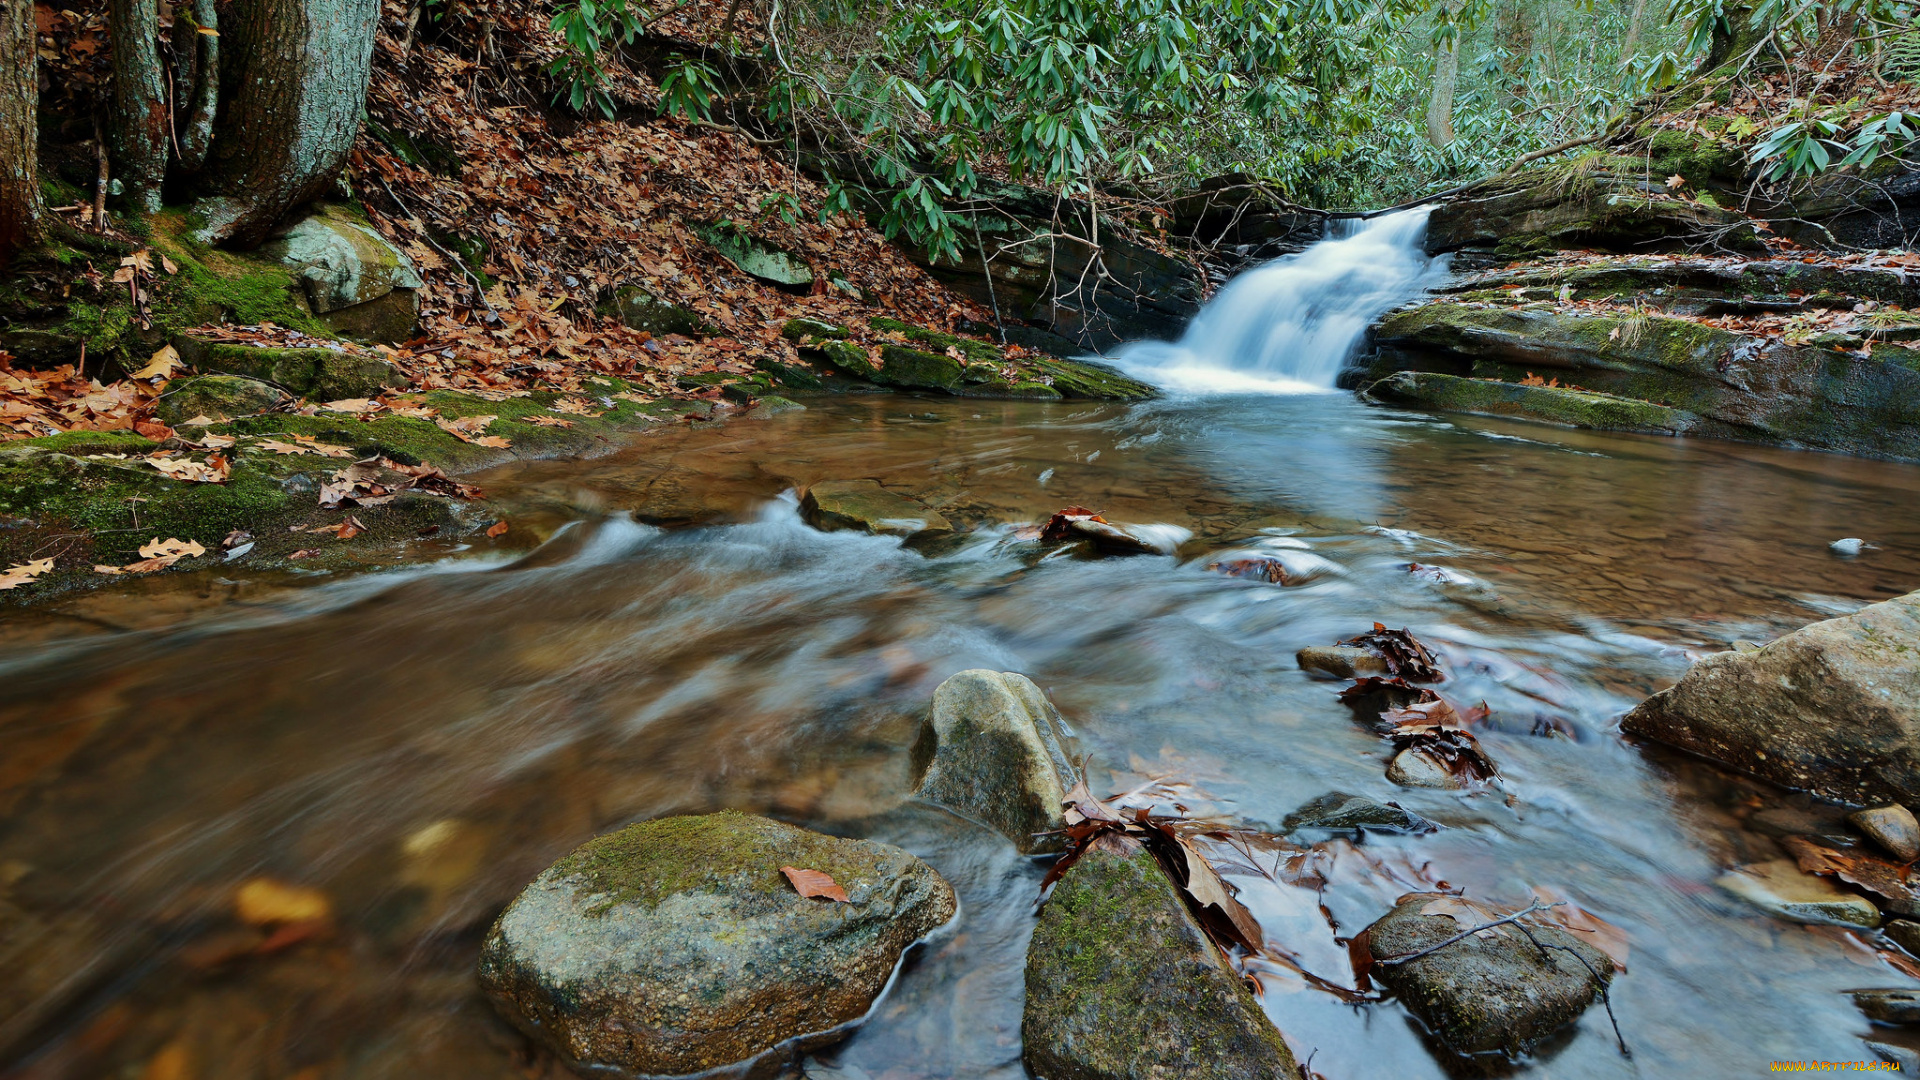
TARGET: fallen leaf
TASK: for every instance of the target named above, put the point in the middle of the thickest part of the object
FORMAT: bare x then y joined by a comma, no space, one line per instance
1881,877
153,429
498,528
236,538
547,421
811,883
264,901
355,406
305,553
22,573
346,530
99,569
214,470
158,548
1406,657
161,365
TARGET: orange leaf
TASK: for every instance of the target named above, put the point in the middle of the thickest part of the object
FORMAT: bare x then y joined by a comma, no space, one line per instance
499,528
814,883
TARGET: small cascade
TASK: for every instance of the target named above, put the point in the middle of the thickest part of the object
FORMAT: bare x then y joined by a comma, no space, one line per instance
1289,326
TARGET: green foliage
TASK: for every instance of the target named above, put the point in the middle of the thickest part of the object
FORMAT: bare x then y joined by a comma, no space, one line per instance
590,27
689,88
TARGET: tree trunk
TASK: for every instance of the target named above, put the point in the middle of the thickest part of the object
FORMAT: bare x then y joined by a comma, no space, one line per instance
1734,37
198,82
1446,71
140,119
19,102
1628,47
294,87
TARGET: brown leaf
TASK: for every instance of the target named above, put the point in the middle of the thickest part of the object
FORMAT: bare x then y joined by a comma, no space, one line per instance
172,548
1059,528
1882,877
497,529
811,883
305,553
22,573
1406,657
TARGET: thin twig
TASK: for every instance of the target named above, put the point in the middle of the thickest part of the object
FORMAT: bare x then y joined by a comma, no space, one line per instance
1465,934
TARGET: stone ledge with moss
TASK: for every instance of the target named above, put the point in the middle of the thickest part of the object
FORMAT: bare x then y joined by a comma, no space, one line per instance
1548,404
90,498
1739,386
677,946
932,360
1122,984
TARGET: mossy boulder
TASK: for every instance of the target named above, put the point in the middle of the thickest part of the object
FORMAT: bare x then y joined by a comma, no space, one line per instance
773,405
845,357
1337,811
218,397
1494,991
915,370
319,373
1548,404
976,352
1089,380
1832,708
676,946
352,277
806,330
1122,984
639,309
759,259
865,506
994,750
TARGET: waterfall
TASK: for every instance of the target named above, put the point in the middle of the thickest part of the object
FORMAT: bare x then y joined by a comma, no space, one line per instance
1288,327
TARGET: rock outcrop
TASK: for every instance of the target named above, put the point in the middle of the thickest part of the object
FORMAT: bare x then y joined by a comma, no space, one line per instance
677,946
1595,207
353,279
1832,708
1122,984
994,750
1487,992
1673,374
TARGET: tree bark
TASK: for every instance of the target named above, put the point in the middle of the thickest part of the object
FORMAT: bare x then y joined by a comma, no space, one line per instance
19,104
294,87
199,82
1446,71
1628,47
140,119
1733,38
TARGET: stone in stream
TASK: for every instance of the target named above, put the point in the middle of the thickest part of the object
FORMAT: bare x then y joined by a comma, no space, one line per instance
1416,767
1889,1006
1892,827
1492,991
993,750
1341,661
1781,889
865,506
1832,708
1340,811
1904,933
1122,984
676,946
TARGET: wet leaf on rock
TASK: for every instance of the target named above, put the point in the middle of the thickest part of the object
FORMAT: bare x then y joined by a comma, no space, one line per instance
1375,696
812,883
1406,657
1255,567
1879,876
497,529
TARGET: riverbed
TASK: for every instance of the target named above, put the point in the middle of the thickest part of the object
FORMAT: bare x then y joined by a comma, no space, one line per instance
417,741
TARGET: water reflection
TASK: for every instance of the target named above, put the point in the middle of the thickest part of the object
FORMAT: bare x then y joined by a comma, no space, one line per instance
418,745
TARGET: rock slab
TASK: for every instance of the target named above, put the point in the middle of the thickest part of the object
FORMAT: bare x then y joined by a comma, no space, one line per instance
865,506
1488,992
675,946
1122,984
1832,708
994,750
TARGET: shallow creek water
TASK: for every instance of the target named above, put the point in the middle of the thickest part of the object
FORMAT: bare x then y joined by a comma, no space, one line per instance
418,742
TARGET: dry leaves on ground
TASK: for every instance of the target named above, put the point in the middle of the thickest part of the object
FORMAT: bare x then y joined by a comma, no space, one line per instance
21,573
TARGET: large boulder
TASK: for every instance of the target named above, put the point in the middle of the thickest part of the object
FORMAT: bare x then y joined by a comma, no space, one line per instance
994,750
320,373
219,397
1548,404
351,274
1122,984
1832,708
1487,992
676,946
1546,209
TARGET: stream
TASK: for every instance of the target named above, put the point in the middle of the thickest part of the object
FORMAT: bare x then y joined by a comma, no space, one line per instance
418,741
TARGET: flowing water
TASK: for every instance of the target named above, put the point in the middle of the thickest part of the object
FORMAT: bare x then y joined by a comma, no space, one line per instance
418,742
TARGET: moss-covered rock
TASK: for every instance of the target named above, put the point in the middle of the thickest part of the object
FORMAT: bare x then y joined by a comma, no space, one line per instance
639,309
974,351
1487,992
1122,984
844,357
865,506
1738,386
916,370
676,946
339,261
319,373
804,330
994,750
759,259
773,405
218,397
1085,379
1582,206
792,376
1549,404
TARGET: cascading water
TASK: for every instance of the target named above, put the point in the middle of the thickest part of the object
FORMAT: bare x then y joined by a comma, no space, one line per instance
1289,326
